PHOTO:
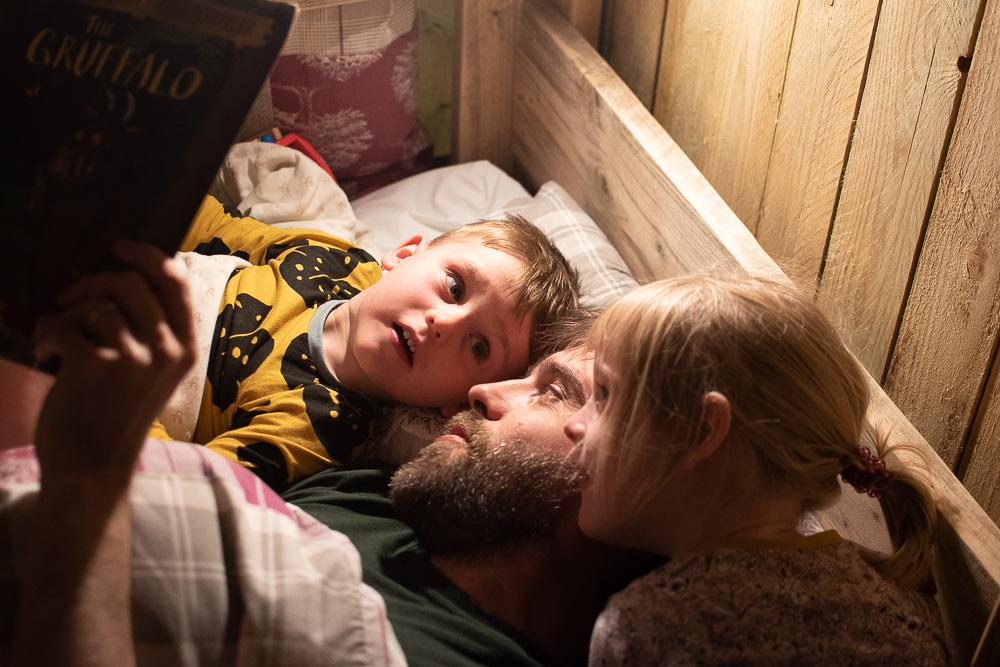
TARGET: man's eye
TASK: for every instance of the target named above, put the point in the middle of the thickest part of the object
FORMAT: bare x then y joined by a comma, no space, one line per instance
555,392
455,287
480,347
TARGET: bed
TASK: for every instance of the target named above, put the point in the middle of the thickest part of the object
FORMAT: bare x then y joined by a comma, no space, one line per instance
534,98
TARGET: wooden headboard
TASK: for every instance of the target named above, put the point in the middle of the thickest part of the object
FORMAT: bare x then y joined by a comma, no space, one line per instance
534,97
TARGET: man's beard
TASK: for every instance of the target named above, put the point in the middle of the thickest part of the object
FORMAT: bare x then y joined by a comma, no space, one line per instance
494,496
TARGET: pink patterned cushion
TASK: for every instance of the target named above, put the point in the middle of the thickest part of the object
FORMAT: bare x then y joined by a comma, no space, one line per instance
346,81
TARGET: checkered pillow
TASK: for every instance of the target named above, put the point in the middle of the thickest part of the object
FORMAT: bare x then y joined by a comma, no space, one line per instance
603,273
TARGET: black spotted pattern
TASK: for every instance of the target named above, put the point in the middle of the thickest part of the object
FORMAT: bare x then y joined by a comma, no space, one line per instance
340,426
318,273
216,246
267,462
241,345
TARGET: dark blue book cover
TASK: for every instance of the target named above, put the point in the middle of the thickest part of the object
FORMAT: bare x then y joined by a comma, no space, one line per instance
119,114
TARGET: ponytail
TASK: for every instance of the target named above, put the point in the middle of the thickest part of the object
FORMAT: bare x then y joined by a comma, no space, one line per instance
910,514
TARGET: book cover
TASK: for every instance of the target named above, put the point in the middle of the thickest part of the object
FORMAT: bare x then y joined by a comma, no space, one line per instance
120,112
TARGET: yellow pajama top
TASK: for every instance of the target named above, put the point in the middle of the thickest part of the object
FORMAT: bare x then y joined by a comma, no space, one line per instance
270,403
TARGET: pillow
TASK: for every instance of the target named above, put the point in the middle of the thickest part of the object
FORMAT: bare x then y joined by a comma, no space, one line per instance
441,199
401,431
434,202
604,276
346,81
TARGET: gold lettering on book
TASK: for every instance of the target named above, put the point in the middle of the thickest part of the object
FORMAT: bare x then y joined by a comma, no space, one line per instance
95,58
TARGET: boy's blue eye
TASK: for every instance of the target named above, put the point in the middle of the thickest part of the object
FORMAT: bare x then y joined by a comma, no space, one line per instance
455,287
480,347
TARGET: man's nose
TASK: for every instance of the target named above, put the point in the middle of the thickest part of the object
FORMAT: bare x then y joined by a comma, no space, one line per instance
490,400
576,426
574,429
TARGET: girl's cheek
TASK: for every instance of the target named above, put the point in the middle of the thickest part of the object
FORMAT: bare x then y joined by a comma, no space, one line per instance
596,435
588,450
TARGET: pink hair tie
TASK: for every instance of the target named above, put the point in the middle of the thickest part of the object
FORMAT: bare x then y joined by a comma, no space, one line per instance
873,479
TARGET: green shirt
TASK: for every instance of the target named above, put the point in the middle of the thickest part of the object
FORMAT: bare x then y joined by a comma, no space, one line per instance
437,623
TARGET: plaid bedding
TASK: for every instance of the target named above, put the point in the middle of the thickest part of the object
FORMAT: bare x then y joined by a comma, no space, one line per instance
223,571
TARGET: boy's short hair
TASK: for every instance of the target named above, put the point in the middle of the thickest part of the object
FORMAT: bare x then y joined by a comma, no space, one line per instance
567,332
546,285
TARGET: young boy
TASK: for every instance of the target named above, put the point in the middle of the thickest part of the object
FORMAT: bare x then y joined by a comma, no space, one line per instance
312,336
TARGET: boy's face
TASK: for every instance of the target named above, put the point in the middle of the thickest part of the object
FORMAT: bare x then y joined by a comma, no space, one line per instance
439,322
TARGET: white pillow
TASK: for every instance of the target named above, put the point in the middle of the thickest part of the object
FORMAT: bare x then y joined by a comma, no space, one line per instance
283,187
441,199
433,202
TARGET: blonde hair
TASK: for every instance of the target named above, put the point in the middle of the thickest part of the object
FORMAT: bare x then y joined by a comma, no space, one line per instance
546,285
799,398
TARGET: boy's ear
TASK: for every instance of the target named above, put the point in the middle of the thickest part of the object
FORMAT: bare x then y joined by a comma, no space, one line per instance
717,416
449,411
407,248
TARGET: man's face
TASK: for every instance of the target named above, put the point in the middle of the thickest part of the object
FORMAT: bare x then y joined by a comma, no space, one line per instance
440,321
502,475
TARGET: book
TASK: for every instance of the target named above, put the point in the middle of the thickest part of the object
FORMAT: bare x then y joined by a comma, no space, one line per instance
120,112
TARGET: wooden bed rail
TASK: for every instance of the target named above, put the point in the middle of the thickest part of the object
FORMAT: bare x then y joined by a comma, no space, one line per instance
535,98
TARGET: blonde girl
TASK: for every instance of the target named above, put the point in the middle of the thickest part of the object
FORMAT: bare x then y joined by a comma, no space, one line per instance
723,410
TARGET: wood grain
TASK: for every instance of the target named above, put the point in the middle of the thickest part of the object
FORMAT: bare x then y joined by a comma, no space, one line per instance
988,651
949,331
485,31
577,123
585,16
981,456
630,43
823,81
903,121
950,328
719,85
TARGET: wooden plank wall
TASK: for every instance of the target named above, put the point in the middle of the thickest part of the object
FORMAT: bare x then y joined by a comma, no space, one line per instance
859,141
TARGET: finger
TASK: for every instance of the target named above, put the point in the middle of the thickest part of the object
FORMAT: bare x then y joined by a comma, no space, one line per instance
99,318
168,281
142,339
105,324
172,340
109,326
126,291
94,322
63,337
161,275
